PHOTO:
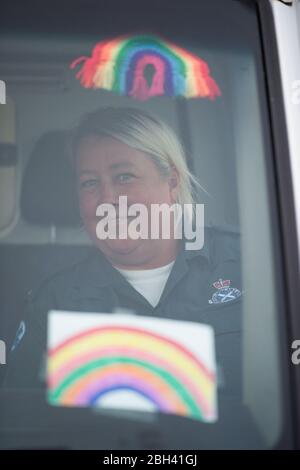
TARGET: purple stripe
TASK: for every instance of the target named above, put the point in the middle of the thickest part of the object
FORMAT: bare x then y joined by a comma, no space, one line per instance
99,388
168,78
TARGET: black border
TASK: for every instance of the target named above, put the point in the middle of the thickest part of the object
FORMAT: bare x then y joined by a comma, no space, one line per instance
285,206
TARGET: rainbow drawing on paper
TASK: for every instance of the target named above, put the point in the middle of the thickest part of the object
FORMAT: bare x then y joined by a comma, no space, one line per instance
96,363
119,65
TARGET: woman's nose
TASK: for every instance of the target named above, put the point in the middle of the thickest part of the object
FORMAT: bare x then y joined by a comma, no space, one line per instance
108,194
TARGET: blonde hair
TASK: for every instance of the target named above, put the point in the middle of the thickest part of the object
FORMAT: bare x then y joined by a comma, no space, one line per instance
142,131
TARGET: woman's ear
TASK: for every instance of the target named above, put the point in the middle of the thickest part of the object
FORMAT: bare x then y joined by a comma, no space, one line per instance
173,180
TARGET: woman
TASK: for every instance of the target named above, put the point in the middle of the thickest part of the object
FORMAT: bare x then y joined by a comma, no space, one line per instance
127,152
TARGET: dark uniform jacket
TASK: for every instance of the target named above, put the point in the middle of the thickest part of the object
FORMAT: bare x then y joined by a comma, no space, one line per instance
204,286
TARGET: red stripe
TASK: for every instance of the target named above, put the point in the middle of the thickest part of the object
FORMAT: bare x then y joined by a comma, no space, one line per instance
115,329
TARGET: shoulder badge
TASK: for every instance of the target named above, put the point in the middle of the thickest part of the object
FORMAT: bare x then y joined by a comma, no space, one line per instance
19,335
224,292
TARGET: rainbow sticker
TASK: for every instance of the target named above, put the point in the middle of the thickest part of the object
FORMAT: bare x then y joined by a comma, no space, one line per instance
119,65
123,361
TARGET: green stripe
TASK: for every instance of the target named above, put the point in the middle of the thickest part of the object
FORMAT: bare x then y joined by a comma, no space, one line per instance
145,41
178,388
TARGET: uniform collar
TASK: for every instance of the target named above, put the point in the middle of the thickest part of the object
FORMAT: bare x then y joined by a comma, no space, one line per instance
99,270
204,252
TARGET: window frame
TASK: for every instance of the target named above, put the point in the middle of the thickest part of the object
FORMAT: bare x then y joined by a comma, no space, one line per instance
286,237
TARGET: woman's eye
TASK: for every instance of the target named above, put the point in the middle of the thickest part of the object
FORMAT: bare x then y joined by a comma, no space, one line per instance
88,183
125,177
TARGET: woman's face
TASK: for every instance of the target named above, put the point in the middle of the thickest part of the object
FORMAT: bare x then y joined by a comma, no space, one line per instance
108,169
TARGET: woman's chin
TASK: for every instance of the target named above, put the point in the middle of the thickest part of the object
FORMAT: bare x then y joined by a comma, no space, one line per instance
120,247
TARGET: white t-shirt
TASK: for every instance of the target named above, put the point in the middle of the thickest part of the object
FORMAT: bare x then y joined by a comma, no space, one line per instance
149,282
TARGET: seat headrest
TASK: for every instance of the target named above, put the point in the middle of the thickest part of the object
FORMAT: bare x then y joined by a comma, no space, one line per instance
48,194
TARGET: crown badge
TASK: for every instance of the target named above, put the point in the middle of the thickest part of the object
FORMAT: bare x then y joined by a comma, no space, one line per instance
224,292
220,283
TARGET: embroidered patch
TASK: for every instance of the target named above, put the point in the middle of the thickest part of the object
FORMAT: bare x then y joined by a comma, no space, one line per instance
224,292
19,335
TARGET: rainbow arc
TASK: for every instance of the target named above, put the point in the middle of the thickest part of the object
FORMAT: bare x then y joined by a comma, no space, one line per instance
87,367
119,65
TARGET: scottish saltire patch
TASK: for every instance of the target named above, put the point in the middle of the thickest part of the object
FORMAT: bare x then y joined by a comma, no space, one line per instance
224,292
19,335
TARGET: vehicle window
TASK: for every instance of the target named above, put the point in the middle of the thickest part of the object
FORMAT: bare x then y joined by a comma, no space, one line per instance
164,104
